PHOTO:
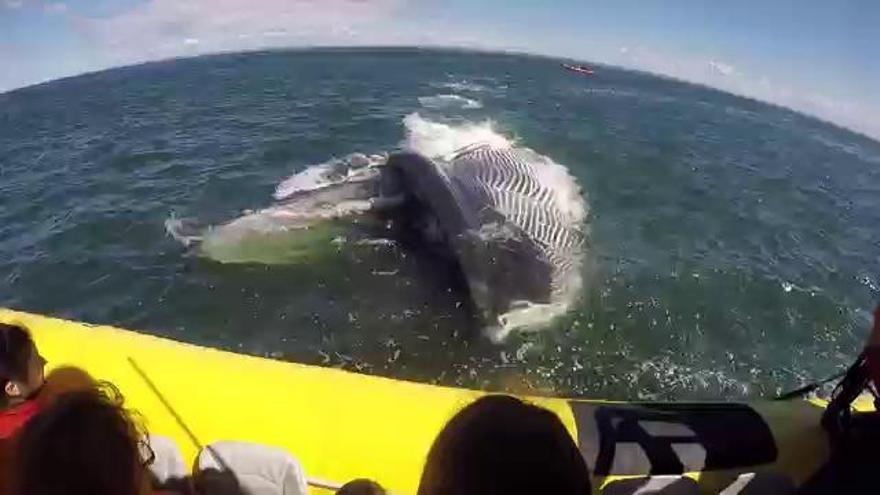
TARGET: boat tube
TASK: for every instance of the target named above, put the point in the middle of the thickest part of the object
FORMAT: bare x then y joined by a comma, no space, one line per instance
342,425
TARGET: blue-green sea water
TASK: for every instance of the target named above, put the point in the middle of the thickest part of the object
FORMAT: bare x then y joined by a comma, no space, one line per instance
736,245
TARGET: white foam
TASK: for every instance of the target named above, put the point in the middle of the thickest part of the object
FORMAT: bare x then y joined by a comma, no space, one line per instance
675,375
461,86
526,316
313,177
182,230
318,176
438,140
449,101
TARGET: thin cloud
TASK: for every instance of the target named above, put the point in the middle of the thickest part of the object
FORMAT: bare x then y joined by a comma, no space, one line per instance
55,8
722,68
13,4
153,30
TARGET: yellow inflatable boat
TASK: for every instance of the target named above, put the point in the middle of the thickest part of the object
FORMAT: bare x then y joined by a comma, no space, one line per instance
343,425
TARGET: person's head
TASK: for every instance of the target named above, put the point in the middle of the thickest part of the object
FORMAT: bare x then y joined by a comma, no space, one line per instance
361,487
502,445
84,443
21,365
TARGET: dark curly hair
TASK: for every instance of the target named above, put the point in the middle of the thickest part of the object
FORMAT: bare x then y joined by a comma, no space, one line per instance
85,443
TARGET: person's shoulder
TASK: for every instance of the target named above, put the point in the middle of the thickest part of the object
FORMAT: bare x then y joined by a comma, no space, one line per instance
26,408
13,418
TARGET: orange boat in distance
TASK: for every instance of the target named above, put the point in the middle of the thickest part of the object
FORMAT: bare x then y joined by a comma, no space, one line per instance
580,69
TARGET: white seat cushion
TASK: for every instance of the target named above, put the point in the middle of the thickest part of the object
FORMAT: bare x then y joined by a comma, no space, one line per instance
168,465
259,469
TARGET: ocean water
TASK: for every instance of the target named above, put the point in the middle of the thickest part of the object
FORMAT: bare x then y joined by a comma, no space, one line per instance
735,245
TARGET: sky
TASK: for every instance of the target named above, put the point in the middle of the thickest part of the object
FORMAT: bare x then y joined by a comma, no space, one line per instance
818,57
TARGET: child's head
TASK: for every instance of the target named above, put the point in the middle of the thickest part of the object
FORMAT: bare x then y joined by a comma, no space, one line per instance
361,487
500,444
21,365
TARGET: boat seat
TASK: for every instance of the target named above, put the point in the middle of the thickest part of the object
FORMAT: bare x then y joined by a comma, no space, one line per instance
229,467
760,484
168,469
652,485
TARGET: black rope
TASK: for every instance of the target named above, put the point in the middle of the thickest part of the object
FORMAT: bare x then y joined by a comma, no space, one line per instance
192,436
319,483
811,387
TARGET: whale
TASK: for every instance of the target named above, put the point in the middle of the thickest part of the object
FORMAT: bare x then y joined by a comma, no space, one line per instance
512,221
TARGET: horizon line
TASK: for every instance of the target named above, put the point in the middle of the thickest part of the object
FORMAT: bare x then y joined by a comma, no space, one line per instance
447,48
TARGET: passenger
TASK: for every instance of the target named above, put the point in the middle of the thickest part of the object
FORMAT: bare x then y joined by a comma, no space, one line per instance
501,445
21,376
361,487
872,350
852,464
84,443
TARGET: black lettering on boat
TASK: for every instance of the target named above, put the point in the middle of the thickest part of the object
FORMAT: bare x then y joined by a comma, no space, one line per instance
657,439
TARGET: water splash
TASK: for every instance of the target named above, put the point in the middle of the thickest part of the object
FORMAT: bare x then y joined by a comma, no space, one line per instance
461,86
440,140
183,230
449,101
324,174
